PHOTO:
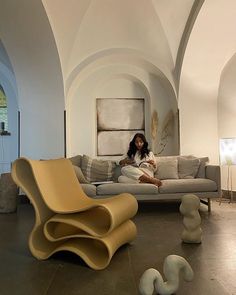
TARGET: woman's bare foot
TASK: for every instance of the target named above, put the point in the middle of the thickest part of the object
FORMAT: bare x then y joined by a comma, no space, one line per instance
147,179
157,182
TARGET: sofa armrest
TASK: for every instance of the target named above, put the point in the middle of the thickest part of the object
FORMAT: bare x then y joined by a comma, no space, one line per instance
213,173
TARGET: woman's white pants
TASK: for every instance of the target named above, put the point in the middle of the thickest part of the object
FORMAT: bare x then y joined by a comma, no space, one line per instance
131,174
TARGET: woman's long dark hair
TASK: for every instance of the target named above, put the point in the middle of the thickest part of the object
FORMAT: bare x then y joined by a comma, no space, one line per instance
133,149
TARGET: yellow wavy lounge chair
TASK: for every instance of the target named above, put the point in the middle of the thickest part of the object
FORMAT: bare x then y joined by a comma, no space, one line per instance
67,219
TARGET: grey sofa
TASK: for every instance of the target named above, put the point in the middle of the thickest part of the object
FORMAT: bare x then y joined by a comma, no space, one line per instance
205,184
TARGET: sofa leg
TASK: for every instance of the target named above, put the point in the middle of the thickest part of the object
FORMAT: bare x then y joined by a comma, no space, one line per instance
208,203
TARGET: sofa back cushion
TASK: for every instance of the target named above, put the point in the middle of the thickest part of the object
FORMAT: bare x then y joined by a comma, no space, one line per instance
188,168
97,170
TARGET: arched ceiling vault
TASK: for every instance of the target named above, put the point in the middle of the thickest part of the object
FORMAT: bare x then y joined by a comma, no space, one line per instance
184,40
85,28
107,64
65,18
123,56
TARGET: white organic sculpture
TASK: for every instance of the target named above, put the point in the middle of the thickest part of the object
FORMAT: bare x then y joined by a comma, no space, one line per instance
152,279
189,207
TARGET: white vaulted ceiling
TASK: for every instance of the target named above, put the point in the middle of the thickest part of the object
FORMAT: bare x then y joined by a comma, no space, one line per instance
150,29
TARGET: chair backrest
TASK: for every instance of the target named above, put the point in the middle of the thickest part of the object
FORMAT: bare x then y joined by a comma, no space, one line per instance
51,181
23,177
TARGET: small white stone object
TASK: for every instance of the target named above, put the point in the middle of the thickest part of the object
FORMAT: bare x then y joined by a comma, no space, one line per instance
152,280
189,207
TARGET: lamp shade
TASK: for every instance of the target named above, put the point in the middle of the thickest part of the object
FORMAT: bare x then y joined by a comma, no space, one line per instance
228,151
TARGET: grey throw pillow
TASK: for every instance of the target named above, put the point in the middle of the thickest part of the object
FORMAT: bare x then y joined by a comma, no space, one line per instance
167,169
76,160
97,170
202,167
188,168
80,175
117,173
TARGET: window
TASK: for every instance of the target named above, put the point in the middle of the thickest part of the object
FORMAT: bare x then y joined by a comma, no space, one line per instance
3,110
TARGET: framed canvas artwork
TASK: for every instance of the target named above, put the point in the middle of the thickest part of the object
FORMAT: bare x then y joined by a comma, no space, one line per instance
118,119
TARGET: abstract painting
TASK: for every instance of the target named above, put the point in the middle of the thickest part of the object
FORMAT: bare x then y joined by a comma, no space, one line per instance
118,119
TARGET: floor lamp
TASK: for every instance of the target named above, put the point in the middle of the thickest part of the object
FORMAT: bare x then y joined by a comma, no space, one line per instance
228,157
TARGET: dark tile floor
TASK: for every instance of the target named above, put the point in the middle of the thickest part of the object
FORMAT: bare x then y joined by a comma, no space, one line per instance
159,229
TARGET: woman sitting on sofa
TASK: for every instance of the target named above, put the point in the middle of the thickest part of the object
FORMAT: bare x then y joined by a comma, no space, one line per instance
139,164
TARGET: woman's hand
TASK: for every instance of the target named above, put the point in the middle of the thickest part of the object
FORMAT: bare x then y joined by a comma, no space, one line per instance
152,162
126,161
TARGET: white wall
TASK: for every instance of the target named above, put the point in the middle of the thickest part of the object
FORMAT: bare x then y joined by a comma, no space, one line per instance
227,100
227,111
30,45
198,120
8,144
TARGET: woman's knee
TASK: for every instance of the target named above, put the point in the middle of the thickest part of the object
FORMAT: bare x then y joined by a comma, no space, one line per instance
125,170
131,172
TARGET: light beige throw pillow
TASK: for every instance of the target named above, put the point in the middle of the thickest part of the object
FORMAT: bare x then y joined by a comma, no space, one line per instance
202,167
188,168
167,169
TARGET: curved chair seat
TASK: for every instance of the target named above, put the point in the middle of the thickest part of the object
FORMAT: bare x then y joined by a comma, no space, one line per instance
96,252
67,219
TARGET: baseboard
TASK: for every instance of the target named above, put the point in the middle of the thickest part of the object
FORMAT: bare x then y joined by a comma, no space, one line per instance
227,195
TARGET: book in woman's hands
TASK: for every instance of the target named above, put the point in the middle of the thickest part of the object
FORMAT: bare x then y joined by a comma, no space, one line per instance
102,182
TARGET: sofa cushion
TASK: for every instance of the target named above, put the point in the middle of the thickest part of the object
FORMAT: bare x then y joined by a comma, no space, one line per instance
167,169
97,170
89,189
187,185
80,175
188,168
118,188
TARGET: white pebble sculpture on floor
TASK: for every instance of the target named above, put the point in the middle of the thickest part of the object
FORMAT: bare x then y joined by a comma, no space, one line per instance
189,207
152,280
